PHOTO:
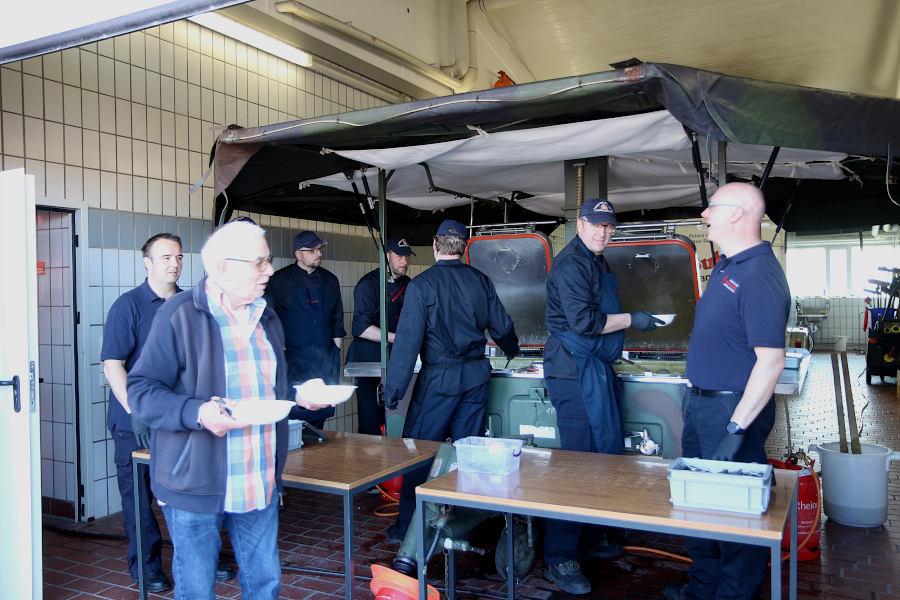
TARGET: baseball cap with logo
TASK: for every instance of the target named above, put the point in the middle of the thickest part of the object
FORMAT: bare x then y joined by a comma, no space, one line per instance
598,210
398,246
452,228
307,240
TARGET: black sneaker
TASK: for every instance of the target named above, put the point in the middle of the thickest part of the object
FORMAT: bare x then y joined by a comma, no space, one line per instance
394,535
224,572
157,583
568,577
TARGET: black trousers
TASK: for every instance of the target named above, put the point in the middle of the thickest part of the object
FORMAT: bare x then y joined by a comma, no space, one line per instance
370,416
151,539
435,415
723,570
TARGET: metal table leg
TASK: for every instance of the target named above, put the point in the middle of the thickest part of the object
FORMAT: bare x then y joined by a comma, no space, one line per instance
139,501
349,568
792,582
776,570
420,547
510,559
450,575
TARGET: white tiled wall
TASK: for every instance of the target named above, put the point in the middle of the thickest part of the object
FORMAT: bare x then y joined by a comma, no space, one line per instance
845,317
57,356
125,125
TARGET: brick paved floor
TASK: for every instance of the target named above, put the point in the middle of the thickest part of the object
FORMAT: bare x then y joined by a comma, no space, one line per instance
860,564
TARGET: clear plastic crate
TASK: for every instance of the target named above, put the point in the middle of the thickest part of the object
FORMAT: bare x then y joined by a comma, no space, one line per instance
496,456
720,485
295,431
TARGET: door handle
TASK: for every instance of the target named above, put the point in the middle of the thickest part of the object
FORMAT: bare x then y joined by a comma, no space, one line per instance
17,399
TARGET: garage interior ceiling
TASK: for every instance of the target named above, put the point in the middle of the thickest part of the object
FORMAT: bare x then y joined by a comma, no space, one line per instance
831,44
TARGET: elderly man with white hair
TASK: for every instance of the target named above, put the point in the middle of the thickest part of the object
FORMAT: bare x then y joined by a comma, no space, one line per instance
208,349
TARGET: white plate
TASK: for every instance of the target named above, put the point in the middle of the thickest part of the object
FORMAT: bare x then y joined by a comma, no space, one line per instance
666,319
261,412
317,392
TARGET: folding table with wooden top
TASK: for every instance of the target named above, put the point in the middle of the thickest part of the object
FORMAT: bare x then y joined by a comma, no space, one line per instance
628,491
345,465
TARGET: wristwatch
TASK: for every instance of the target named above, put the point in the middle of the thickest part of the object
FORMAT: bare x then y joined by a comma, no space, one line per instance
733,428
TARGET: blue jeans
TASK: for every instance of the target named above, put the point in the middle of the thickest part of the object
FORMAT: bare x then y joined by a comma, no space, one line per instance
197,540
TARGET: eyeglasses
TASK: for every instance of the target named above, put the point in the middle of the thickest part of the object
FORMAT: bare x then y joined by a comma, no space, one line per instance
606,226
258,263
312,250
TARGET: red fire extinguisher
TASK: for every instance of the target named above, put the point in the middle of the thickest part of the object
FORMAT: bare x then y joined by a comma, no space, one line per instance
390,492
809,506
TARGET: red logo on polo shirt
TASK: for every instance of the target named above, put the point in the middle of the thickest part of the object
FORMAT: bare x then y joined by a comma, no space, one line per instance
730,284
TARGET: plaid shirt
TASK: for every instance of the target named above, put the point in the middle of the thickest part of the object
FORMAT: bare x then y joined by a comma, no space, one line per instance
250,366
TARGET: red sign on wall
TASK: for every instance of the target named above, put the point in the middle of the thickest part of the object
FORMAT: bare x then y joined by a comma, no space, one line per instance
41,267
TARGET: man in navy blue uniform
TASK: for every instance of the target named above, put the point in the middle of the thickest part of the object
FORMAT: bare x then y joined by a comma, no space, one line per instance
307,299
366,328
587,332
445,314
124,334
735,356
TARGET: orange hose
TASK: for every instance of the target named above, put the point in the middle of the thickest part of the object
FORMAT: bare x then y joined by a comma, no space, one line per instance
658,552
385,509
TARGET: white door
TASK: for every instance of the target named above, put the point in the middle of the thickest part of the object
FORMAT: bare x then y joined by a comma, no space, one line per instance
20,514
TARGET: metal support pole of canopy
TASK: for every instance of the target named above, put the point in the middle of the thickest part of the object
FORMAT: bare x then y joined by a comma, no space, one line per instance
585,179
383,267
723,163
701,179
768,169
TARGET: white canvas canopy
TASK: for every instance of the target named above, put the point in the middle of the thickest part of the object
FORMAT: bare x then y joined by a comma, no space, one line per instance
649,164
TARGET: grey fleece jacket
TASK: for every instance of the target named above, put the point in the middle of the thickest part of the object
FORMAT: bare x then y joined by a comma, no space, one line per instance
182,365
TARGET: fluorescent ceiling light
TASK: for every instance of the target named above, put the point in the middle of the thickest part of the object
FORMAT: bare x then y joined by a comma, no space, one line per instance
253,37
31,22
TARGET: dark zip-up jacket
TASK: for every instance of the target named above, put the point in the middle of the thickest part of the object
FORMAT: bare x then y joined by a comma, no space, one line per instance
445,314
182,365
574,298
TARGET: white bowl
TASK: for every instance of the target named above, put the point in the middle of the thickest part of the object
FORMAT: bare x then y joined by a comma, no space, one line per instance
317,392
666,319
261,412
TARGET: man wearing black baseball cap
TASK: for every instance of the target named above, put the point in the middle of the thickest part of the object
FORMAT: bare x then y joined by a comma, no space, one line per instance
586,325
307,299
445,314
366,328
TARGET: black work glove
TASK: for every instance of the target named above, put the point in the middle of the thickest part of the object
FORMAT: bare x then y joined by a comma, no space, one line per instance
141,432
728,447
389,404
644,321
511,355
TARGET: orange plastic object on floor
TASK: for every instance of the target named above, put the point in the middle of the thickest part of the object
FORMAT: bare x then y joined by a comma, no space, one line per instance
388,584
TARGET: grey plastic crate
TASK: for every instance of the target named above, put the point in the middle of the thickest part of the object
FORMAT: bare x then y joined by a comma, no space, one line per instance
720,486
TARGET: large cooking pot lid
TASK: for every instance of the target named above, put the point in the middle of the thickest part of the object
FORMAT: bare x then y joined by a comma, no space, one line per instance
661,277
518,264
